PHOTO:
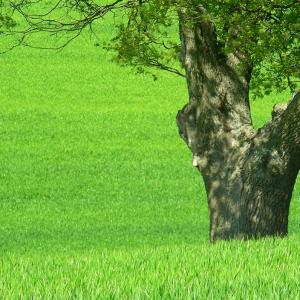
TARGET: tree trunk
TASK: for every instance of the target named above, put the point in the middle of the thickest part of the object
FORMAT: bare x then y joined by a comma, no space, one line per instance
249,174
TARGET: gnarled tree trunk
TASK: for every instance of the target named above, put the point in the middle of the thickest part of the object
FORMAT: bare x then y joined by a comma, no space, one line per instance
249,174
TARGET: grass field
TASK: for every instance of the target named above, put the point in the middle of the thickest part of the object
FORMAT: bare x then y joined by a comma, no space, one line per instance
98,196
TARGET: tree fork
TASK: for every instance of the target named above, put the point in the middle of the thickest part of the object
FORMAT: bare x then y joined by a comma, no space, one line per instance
249,180
249,175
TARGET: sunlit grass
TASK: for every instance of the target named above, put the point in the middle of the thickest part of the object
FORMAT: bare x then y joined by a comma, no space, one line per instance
266,269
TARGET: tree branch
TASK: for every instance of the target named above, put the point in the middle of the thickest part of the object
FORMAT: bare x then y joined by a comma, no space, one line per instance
286,132
282,134
44,22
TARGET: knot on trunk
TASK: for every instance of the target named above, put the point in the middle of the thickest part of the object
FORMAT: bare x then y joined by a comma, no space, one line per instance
187,124
200,161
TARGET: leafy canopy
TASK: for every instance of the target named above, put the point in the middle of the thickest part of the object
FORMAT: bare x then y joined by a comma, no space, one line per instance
267,31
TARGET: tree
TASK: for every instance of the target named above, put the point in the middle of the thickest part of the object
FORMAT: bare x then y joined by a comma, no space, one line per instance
226,48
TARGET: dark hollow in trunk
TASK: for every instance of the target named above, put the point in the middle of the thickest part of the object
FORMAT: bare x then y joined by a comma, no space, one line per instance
249,174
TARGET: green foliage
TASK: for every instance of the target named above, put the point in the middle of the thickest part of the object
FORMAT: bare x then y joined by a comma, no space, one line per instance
147,38
266,31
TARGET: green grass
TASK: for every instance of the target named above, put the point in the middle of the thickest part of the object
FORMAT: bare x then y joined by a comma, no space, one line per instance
98,197
266,269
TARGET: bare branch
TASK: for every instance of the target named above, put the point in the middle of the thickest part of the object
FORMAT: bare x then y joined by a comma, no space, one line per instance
45,23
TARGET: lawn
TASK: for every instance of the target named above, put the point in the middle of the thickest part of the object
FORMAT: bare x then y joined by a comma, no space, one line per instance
98,196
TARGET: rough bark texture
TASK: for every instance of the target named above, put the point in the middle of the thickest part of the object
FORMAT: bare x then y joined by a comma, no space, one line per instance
249,174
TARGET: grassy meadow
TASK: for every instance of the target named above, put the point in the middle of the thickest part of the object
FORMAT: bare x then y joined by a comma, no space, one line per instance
98,196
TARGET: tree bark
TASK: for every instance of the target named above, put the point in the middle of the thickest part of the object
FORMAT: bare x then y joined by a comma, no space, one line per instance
249,174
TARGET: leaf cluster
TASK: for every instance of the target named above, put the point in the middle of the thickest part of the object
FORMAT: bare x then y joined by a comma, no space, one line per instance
266,32
147,37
